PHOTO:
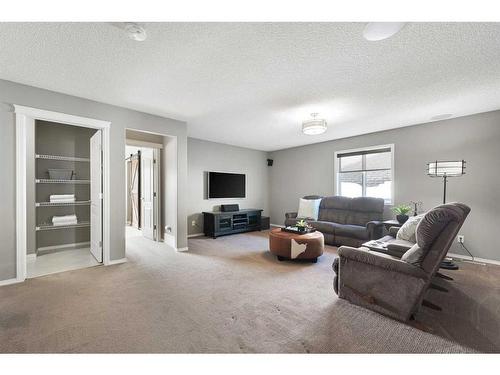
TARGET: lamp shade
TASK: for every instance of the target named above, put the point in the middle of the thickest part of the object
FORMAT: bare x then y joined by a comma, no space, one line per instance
446,168
314,126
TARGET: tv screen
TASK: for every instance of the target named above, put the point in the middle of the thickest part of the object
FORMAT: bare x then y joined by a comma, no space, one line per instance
226,185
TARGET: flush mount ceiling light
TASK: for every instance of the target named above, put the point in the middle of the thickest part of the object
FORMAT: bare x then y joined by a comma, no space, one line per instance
135,32
314,126
381,30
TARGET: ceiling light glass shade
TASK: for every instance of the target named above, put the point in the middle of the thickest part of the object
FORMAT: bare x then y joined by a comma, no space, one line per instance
314,126
446,168
381,30
136,32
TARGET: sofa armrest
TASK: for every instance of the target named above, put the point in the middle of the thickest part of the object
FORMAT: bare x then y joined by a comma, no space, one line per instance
374,229
393,231
380,260
290,215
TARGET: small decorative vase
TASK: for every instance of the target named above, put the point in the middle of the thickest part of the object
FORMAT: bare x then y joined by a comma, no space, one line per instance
402,218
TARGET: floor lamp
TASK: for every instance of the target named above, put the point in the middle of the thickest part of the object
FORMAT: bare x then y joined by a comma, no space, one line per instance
446,169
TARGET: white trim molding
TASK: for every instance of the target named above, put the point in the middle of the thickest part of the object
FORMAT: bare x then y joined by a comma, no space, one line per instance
368,148
117,261
31,257
479,260
28,115
195,235
75,245
21,213
10,281
133,142
181,249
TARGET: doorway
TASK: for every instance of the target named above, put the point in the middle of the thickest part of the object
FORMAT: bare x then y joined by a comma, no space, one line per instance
143,182
62,174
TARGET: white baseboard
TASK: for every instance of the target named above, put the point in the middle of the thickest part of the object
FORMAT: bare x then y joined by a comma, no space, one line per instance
481,260
169,239
31,257
65,246
181,249
195,235
277,225
10,281
117,261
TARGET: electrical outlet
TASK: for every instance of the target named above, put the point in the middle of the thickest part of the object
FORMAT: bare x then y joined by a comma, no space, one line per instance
193,223
461,238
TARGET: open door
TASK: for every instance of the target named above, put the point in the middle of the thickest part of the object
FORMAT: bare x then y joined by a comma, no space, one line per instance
96,196
147,194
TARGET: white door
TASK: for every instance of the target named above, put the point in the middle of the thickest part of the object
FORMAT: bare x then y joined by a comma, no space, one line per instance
147,193
96,196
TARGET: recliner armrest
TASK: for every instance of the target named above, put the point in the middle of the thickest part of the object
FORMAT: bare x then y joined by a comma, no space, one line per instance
382,261
374,229
393,231
290,215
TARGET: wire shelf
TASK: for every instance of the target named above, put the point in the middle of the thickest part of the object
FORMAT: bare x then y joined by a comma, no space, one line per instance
53,227
56,204
49,181
62,158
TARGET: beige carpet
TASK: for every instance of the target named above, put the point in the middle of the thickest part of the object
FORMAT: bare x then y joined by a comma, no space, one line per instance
223,296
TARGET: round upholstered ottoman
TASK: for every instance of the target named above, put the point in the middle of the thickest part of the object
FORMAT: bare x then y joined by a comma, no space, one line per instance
286,245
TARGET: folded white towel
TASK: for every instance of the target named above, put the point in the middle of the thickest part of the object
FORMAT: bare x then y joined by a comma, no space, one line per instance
64,200
66,218
59,196
69,222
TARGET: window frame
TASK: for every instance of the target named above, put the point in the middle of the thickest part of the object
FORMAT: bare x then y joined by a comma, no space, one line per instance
336,169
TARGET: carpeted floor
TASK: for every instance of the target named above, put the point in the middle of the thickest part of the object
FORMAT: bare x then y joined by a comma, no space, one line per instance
227,295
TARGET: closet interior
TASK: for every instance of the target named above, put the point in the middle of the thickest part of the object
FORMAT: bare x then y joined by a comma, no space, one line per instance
62,200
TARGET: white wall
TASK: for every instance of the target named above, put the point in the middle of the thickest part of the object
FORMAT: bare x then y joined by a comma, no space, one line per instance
204,156
121,118
476,139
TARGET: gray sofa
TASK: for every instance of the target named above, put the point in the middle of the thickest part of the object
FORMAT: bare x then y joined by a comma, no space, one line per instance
345,221
396,286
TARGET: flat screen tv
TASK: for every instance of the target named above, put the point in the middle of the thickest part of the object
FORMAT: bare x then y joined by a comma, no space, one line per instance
226,185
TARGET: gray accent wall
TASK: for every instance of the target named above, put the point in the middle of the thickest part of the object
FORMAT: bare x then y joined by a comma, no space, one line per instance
309,169
120,118
205,156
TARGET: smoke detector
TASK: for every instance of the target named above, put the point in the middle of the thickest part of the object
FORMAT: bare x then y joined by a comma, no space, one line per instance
135,31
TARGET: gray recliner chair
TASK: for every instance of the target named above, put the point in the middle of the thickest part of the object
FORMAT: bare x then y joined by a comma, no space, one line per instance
393,286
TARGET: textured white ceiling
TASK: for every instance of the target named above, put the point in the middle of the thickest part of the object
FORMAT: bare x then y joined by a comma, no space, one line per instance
251,84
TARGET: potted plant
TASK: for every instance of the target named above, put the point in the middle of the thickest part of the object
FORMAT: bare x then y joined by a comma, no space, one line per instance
302,225
401,212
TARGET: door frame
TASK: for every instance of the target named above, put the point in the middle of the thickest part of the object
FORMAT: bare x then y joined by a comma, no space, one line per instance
27,116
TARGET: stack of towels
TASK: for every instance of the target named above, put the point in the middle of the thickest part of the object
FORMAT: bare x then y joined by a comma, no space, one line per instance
64,220
62,198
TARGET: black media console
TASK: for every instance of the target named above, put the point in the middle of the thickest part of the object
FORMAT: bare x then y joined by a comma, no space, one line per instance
221,223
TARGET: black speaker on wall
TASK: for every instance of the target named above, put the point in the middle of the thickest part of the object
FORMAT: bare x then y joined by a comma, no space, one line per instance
229,207
270,162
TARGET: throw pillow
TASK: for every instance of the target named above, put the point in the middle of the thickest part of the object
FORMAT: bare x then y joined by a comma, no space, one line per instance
408,230
309,208
414,255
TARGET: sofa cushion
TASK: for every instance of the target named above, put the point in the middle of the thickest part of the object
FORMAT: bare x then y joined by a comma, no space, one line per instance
334,209
365,209
355,231
324,226
408,229
309,208
367,204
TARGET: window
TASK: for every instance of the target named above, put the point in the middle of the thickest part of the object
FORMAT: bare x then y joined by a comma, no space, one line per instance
365,173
